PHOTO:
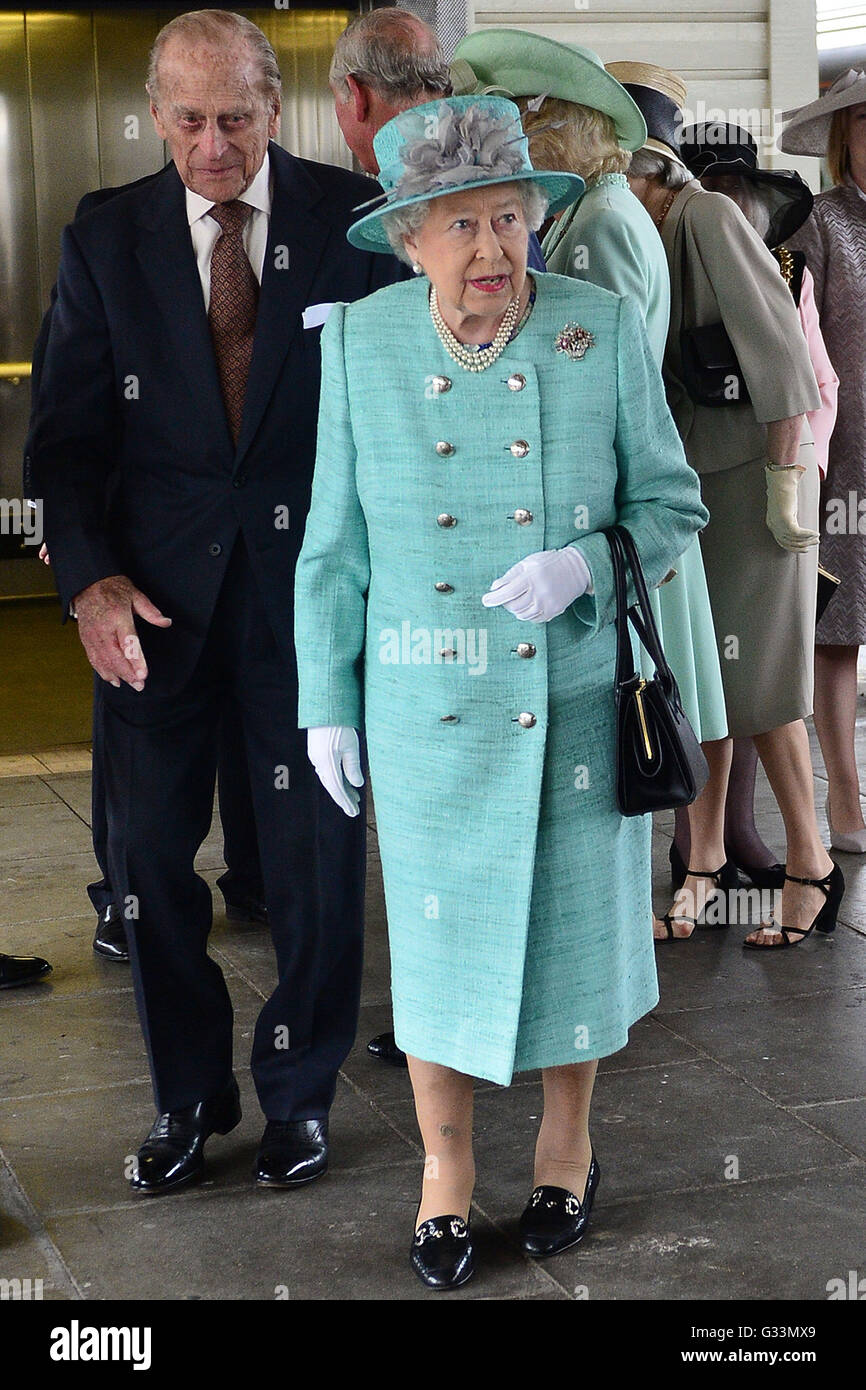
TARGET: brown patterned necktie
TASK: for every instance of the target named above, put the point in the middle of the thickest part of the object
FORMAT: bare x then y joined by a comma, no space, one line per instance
234,297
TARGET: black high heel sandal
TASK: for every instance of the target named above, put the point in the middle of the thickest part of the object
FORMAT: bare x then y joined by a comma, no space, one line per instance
833,888
729,875
724,879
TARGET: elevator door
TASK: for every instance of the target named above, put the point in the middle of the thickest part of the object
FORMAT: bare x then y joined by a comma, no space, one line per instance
74,117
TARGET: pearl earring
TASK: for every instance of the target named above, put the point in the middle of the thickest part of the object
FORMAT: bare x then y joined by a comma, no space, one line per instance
418,269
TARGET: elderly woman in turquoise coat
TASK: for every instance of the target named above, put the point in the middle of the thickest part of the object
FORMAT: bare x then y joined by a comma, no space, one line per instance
454,599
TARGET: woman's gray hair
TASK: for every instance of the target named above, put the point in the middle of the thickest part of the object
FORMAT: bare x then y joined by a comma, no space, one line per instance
645,164
218,27
395,53
407,221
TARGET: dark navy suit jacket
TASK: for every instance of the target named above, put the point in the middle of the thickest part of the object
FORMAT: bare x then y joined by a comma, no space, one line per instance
130,446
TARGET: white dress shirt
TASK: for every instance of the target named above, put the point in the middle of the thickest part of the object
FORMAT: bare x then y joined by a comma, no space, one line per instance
205,230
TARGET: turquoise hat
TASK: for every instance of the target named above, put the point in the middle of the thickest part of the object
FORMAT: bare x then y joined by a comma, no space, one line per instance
448,145
520,64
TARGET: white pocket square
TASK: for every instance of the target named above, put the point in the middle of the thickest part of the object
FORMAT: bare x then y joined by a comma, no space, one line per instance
316,315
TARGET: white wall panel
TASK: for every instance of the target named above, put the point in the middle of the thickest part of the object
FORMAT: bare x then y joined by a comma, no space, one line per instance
748,59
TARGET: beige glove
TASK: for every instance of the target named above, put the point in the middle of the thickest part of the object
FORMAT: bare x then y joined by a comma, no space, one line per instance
782,510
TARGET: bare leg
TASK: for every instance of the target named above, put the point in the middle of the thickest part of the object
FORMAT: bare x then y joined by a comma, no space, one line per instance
835,718
741,834
563,1149
784,753
707,832
443,1104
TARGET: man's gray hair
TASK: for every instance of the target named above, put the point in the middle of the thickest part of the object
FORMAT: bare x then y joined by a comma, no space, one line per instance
395,53
407,221
647,165
217,27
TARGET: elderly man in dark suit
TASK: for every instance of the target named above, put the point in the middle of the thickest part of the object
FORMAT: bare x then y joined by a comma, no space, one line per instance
183,365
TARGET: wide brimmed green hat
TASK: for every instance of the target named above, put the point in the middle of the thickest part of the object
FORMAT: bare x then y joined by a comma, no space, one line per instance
448,145
519,64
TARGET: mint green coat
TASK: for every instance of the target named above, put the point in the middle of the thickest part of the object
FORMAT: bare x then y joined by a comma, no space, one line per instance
609,238
518,899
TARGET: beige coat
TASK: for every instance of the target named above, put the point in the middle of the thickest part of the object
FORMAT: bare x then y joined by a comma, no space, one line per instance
730,275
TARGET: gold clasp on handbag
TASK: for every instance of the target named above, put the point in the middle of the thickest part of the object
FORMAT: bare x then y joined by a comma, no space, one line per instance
642,717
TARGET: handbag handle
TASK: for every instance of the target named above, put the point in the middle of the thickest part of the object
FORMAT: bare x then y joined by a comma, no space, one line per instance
624,555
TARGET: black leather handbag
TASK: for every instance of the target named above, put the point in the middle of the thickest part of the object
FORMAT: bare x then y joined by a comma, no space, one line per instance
710,370
659,762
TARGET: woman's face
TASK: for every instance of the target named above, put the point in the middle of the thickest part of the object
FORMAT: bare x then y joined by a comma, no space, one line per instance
473,247
855,138
731,185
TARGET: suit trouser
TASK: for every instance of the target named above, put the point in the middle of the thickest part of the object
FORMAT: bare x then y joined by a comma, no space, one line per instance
243,875
160,767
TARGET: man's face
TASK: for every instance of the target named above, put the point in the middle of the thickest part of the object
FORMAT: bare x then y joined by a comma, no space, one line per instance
213,116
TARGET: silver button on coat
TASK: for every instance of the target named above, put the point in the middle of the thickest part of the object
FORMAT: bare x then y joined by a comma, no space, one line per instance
446,519
443,588
525,649
516,381
519,448
523,517
527,720
444,449
441,384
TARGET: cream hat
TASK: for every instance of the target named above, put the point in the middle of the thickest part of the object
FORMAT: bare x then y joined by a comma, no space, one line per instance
660,94
808,131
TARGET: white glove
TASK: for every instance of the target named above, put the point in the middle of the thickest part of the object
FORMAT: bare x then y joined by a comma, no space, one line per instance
541,586
336,755
782,510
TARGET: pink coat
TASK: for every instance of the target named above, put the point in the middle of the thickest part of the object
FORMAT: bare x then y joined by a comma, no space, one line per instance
822,421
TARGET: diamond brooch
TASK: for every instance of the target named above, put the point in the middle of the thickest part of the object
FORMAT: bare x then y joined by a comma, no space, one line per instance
574,341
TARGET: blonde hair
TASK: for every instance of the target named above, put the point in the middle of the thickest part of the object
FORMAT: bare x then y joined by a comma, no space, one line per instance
838,154
584,141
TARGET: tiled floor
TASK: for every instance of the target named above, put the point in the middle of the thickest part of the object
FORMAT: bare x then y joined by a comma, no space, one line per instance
731,1132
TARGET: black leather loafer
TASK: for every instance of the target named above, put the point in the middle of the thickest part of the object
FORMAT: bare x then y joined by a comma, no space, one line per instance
384,1046
22,970
292,1152
441,1253
246,908
172,1155
110,938
553,1218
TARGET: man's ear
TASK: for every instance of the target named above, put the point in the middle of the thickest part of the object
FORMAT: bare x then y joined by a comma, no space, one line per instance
274,123
359,97
157,121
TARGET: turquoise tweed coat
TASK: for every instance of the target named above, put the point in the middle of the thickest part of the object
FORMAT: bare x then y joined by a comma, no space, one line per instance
518,899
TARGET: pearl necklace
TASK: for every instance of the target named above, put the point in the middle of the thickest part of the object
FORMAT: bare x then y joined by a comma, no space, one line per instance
478,359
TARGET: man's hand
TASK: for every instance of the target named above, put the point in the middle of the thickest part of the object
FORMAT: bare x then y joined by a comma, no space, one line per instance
107,630
43,554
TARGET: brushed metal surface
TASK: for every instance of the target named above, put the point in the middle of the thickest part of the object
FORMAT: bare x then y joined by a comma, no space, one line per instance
63,122
19,282
129,147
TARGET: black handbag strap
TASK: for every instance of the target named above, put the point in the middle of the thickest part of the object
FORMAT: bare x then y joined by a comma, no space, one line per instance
625,558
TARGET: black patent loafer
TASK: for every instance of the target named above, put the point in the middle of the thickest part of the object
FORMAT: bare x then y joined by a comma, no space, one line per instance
554,1219
292,1152
384,1047
441,1253
172,1155
110,938
22,970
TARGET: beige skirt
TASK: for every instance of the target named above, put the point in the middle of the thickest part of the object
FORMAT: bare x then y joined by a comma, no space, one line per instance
763,598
